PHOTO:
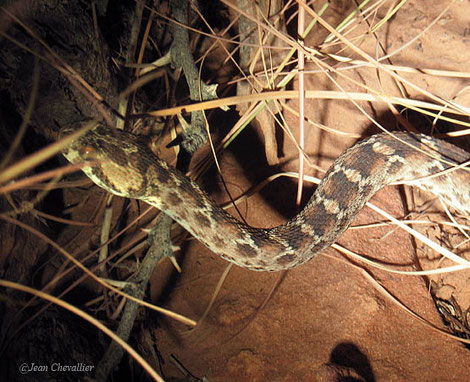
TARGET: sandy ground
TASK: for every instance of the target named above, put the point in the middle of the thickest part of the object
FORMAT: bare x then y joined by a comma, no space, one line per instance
325,318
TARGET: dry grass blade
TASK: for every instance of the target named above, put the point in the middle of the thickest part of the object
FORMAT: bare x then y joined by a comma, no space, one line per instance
339,71
87,317
41,155
78,264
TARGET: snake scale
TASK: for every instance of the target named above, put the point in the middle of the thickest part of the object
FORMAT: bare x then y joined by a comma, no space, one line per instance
123,164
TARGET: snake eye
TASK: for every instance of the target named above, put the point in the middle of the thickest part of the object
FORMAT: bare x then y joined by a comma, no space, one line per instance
88,152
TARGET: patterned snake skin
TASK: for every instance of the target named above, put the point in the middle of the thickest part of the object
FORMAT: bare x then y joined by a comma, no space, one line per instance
124,165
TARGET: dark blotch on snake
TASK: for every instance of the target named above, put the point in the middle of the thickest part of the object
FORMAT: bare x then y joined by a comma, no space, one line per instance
286,259
174,198
202,219
247,250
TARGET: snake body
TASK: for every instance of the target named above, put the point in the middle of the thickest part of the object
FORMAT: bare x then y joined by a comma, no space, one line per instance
123,164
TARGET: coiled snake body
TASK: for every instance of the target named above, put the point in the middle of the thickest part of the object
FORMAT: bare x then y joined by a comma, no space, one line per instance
124,165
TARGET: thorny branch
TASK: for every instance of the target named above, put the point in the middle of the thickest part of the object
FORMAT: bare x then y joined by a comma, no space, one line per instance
181,57
64,100
159,238
160,246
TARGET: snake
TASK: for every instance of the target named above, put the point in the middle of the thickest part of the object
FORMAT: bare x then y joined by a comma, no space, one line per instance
124,164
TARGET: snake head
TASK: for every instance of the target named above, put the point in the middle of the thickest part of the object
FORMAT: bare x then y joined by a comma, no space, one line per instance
116,160
83,147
